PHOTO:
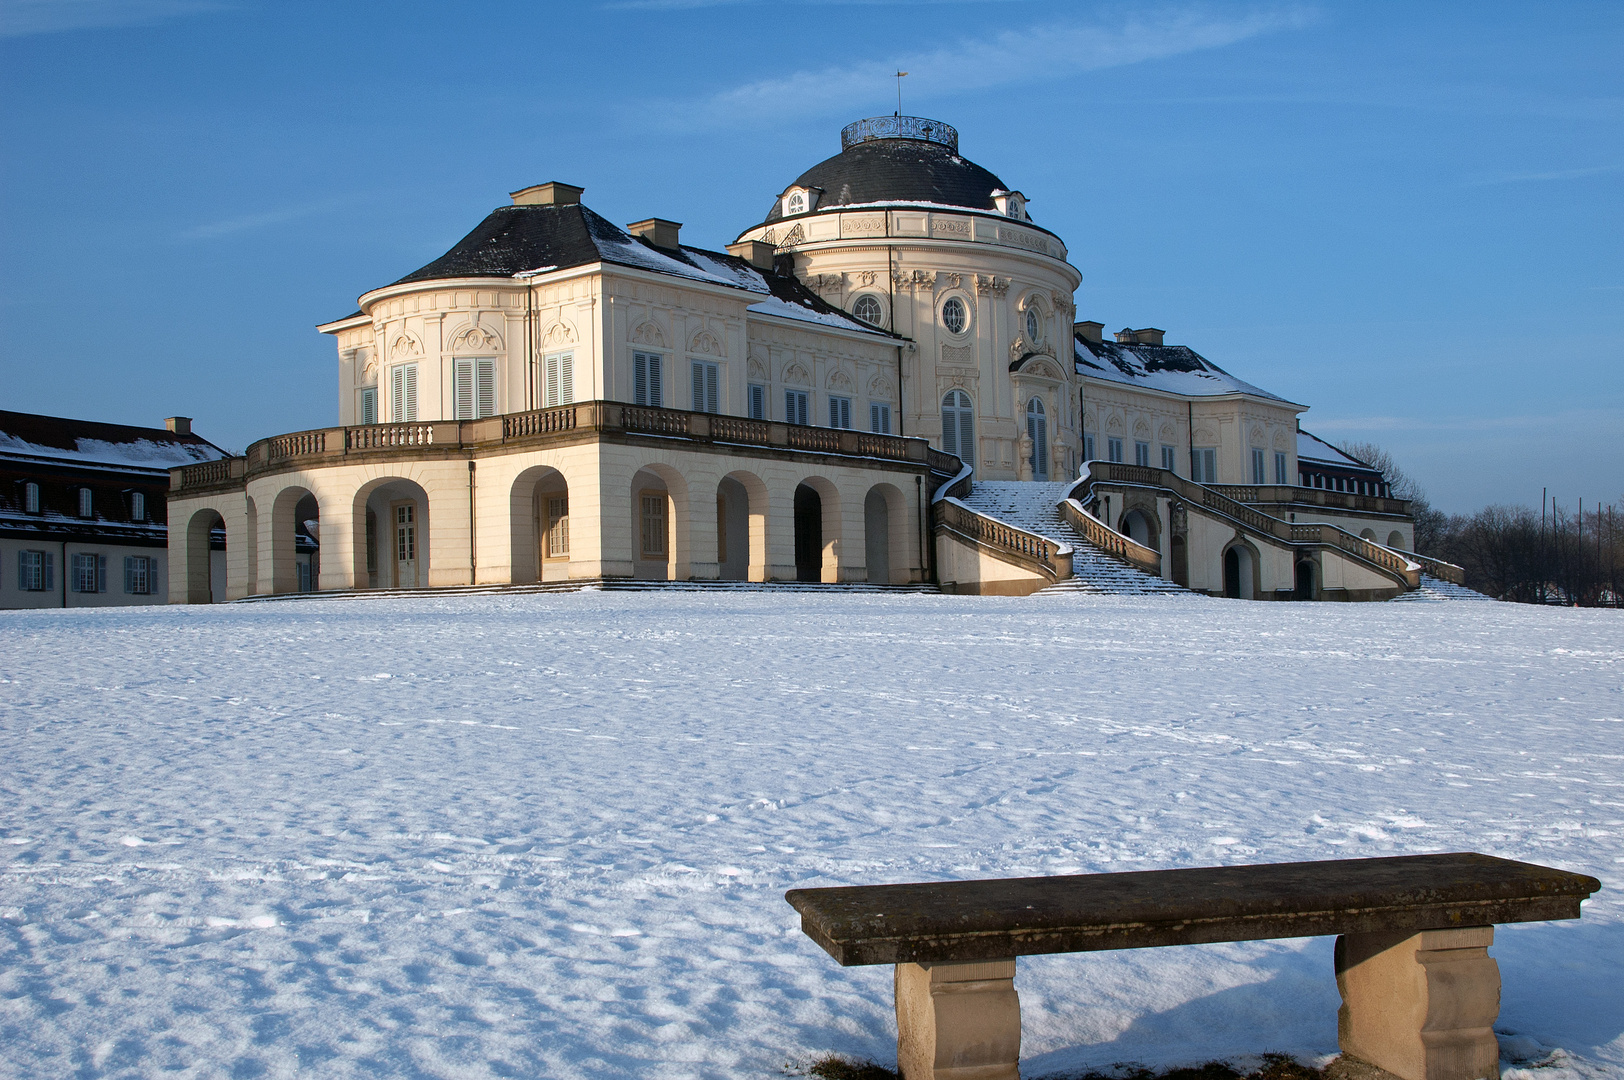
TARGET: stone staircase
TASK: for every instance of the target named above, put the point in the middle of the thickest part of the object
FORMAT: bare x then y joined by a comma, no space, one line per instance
1435,589
1035,508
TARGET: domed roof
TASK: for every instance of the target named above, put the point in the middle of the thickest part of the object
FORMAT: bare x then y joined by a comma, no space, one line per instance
890,159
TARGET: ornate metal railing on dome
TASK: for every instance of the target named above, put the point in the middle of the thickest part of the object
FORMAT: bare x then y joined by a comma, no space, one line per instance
899,127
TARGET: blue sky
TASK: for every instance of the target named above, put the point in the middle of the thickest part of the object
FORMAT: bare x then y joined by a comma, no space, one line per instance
1407,216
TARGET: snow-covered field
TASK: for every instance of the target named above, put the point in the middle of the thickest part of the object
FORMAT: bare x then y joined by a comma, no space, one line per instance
548,836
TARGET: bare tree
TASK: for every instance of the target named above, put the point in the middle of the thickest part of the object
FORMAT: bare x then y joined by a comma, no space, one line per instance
1430,525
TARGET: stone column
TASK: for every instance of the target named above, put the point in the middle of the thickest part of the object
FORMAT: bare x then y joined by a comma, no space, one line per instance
1420,1005
958,1021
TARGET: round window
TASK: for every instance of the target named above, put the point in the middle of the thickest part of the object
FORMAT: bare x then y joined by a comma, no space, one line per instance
1034,325
954,317
797,204
869,310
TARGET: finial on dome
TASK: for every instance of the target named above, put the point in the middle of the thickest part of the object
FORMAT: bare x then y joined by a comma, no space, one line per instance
899,127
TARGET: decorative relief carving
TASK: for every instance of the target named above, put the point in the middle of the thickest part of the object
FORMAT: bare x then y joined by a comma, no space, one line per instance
796,375
879,388
476,339
959,354
648,333
1041,369
796,235
705,342
867,277
1141,430
839,380
557,334
1062,302
827,282
952,281
755,370
955,228
1021,347
900,279
1022,239
405,345
991,284
1114,423
1168,434
868,223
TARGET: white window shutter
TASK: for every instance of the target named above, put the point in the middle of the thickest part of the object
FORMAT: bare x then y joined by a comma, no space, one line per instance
411,392
397,394
566,378
485,389
713,388
462,390
655,397
640,378
699,386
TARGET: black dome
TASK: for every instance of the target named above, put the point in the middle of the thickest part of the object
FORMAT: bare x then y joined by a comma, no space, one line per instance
905,169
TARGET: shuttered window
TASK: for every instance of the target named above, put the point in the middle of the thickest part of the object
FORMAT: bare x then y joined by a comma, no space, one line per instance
1141,454
34,571
403,393
369,405
89,573
1204,465
795,407
1279,468
1088,448
707,387
758,401
839,412
646,389
879,418
1168,458
958,426
139,572
474,388
559,388
1258,476
1113,448
1037,430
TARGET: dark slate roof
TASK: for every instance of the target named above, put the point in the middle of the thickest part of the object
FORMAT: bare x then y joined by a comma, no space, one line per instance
1311,449
1176,369
89,442
898,170
515,240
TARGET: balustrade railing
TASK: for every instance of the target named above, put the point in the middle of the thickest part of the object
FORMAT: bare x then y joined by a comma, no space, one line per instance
1109,540
1283,494
298,444
654,421
384,436
735,429
539,422
1021,546
823,440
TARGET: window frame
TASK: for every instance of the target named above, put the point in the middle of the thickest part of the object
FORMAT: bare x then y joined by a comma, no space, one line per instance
32,504
1204,460
403,394
797,406
140,572
879,417
473,387
1280,468
653,506
138,506
1170,459
955,302
756,401
1113,449
34,571
558,379
1141,453
840,412
879,309
367,411
959,425
1037,430
556,514
706,385
648,382
1260,474
87,503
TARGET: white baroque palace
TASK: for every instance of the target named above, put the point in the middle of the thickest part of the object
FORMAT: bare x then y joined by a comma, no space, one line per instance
882,382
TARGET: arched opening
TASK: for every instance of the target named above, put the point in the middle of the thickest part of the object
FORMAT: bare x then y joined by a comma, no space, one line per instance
877,537
1368,534
1240,573
1395,539
203,585
741,527
1138,527
392,534
659,504
295,541
539,525
1305,580
808,534
1037,432
959,426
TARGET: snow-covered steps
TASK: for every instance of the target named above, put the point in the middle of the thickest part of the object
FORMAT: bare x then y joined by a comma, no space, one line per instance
600,585
1435,589
1035,507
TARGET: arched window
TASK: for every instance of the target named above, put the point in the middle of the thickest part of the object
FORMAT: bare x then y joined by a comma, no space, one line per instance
959,426
1037,429
795,204
954,315
1034,325
868,309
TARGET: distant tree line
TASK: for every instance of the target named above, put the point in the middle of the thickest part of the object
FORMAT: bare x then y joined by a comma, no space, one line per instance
1555,555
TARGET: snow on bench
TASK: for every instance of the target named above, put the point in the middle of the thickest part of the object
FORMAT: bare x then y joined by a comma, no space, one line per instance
1419,991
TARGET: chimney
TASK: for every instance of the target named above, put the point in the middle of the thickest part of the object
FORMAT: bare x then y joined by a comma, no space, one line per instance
1149,336
1089,331
180,425
657,231
552,193
758,253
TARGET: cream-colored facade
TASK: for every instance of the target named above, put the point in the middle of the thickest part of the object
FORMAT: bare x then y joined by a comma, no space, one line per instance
559,399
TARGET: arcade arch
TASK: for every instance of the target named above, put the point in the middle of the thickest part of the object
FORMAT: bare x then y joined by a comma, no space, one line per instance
539,525
391,534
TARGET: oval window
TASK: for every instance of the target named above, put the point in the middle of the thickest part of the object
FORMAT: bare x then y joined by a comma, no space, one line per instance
868,309
954,317
796,204
1034,325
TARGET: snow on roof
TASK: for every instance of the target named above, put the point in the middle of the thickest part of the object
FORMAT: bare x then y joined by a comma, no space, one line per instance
1176,369
90,442
1313,448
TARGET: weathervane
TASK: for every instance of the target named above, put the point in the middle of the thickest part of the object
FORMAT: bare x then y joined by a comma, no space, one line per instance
900,76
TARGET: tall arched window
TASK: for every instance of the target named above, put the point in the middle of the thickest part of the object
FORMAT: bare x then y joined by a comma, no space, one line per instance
959,426
1034,325
1037,429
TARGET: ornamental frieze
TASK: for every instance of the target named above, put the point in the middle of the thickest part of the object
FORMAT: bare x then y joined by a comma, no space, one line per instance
991,284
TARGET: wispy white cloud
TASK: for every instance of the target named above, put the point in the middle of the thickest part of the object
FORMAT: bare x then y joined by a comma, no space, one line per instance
213,230
1553,175
21,18
1030,54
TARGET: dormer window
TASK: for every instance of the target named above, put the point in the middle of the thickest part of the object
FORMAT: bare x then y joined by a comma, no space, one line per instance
799,200
1010,204
1015,207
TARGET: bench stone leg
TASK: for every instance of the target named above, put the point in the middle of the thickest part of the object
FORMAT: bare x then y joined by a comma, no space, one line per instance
1420,1005
958,1021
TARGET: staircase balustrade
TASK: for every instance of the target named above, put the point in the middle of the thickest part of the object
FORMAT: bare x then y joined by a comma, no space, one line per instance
1110,541
1015,545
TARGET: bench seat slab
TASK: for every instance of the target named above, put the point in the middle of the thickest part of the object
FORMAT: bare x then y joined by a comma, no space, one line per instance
1421,1006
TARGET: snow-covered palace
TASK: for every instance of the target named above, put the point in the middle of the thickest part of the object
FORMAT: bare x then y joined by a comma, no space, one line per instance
880,382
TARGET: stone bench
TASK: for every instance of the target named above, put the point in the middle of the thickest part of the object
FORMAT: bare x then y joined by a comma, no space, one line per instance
1420,992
